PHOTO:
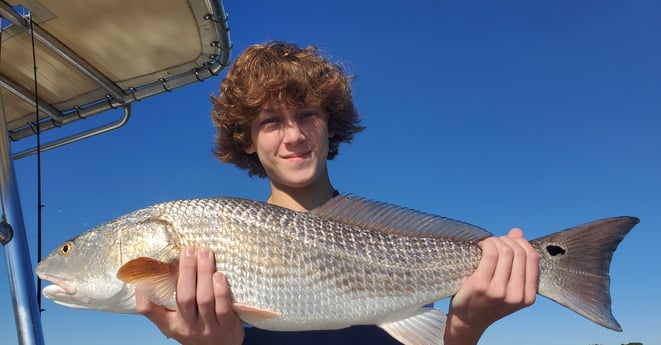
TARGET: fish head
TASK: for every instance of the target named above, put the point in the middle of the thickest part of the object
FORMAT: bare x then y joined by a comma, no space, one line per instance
80,271
83,270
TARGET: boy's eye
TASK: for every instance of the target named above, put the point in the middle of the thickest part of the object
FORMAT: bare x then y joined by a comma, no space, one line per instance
308,115
270,122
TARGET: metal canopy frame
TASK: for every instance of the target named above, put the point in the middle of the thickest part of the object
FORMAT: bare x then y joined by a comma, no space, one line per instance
91,57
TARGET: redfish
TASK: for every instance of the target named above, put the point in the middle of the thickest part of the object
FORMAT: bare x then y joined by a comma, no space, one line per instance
351,261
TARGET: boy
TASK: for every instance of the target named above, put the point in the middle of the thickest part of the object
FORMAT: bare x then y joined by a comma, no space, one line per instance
282,113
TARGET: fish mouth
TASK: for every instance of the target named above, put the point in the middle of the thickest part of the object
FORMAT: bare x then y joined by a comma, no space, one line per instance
58,287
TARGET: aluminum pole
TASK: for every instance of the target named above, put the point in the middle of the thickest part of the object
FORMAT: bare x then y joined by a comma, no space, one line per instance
19,267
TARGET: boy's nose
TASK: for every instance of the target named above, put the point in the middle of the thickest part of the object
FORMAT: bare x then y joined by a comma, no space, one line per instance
293,131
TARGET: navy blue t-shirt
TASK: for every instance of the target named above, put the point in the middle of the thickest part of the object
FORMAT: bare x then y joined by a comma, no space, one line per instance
346,336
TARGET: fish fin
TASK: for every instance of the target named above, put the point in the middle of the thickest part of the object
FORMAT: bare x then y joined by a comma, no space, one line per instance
157,279
574,266
391,218
426,326
251,314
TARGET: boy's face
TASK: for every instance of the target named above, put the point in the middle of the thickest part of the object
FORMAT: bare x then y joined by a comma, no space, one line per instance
291,143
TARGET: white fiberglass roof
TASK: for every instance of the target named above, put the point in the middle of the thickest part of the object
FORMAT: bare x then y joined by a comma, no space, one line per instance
96,55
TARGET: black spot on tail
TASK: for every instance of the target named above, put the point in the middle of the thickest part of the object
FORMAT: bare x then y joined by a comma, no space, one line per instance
555,250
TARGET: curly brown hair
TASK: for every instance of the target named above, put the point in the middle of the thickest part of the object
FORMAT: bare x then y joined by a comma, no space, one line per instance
279,73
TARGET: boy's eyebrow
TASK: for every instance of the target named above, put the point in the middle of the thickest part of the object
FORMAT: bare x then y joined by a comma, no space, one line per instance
265,113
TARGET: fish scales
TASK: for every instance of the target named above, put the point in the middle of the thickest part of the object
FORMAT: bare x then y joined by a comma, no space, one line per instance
313,270
351,261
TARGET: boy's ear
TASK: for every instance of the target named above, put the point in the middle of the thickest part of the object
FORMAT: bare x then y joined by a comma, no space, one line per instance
249,149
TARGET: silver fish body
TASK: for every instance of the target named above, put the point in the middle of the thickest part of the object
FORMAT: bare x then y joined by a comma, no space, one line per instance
352,261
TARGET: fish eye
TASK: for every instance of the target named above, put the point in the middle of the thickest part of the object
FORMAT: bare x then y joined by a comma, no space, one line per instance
66,248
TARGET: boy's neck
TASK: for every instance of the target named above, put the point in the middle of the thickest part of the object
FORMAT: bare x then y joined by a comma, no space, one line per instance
303,198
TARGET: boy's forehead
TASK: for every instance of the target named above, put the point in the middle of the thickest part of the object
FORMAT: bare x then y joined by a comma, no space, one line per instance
283,99
271,108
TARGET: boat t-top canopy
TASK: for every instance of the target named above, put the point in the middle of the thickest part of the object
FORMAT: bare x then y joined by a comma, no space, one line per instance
62,61
92,56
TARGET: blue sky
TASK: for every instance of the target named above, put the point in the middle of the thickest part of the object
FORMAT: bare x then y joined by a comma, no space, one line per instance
539,115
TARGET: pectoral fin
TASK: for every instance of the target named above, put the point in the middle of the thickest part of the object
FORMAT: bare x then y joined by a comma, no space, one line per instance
157,279
426,326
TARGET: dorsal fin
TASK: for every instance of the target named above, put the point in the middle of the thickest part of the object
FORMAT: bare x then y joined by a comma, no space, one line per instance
381,216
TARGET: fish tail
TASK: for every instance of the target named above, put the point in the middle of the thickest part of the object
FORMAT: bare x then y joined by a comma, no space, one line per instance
574,266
